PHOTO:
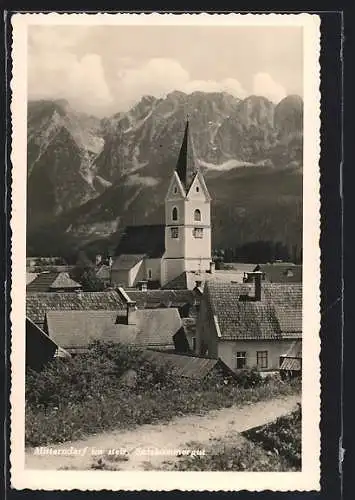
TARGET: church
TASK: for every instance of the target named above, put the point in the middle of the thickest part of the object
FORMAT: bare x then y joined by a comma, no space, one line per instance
159,254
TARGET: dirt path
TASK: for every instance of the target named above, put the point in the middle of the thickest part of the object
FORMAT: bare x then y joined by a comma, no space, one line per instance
129,448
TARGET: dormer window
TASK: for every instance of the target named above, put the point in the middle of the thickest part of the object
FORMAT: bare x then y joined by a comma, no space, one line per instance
197,215
174,214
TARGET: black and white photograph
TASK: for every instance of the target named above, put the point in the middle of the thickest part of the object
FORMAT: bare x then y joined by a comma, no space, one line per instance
165,252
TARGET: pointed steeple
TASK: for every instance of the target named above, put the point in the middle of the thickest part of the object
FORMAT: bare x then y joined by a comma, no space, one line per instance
186,167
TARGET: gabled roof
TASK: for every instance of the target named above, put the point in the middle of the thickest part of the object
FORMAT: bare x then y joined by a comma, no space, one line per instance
184,366
46,281
277,315
40,348
186,167
283,272
148,240
30,277
63,280
152,327
125,262
77,329
38,304
42,282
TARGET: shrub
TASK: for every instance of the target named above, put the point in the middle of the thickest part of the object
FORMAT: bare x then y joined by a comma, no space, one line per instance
85,394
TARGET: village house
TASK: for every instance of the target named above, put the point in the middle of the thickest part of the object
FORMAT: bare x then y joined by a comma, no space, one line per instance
249,325
40,348
74,320
185,301
156,329
48,281
279,272
39,304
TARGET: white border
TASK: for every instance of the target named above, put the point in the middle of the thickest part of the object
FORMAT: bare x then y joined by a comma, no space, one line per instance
309,478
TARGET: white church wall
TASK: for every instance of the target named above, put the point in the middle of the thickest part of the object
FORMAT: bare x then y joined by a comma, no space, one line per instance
153,265
172,269
136,273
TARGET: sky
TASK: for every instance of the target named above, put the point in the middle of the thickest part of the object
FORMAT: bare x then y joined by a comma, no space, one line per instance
104,70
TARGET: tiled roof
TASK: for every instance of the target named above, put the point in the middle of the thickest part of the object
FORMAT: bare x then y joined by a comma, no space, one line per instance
183,366
42,282
125,262
167,298
277,315
30,277
293,358
46,281
38,304
147,239
77,329
243,267
187,279
152,327
283,272
63,280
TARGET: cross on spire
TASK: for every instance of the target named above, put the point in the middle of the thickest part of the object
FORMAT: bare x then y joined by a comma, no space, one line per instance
186,167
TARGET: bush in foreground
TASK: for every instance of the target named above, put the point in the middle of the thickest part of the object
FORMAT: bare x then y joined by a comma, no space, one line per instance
87,394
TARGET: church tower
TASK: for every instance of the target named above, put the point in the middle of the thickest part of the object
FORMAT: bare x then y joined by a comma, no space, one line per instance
187,217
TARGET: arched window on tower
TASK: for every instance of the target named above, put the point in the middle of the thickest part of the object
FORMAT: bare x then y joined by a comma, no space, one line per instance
174,214
197,215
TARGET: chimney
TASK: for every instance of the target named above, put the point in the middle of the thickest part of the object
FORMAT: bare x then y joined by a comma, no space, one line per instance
98,259
257,277
212,267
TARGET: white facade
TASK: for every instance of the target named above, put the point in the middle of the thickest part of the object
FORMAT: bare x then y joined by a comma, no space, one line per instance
187,228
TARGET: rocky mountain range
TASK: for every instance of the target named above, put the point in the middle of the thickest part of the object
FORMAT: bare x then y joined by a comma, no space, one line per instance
88,178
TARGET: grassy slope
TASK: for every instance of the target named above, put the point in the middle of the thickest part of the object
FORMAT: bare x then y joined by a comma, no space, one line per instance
84,395
274,447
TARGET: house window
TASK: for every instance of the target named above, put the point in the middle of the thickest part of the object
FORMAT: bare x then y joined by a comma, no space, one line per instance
175,232
241,359
174,214
175,190
149,274
198,232
261,359
197,215
197,189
